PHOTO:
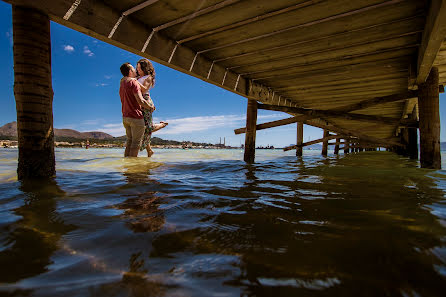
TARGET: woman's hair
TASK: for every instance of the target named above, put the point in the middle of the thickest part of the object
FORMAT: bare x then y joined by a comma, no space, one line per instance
147,68
125,69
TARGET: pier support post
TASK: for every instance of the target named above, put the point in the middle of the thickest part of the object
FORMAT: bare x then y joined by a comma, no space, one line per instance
336,148
300,138
325,143
250,136
428,103
33,93
346,148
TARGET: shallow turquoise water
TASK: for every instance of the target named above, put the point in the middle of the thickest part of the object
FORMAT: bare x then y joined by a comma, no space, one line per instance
204,223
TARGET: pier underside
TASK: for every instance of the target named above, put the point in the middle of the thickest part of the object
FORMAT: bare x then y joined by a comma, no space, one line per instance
356,69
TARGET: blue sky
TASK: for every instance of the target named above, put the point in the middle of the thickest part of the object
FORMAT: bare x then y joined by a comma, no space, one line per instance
86,78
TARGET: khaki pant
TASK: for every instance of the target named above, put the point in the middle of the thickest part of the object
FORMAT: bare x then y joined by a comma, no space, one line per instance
134,129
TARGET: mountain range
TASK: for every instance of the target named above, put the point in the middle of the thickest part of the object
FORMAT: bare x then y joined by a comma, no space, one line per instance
10,129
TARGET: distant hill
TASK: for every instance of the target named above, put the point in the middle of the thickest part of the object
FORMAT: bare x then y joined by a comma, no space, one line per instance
10,129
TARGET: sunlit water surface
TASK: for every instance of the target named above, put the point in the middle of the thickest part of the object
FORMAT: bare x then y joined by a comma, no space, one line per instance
204,223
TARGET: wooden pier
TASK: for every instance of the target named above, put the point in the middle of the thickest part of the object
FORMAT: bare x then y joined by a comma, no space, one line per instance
367,71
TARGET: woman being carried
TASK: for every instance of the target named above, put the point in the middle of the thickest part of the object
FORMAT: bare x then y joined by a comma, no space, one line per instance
146,77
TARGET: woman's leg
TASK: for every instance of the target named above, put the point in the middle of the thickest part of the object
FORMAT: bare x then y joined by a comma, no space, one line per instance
159,126
149,151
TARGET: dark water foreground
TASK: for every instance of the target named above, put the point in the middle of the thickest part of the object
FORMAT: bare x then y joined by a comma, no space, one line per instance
203,223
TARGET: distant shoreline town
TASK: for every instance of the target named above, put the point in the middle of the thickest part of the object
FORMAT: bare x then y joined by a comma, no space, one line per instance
69,138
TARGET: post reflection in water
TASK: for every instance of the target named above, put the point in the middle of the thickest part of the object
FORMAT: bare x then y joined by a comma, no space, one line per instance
31,241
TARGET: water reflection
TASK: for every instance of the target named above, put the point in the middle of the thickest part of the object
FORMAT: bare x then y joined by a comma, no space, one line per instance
30,241
363,224
134,283
357,224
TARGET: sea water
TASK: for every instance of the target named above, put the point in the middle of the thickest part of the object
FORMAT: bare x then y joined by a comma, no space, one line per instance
205,223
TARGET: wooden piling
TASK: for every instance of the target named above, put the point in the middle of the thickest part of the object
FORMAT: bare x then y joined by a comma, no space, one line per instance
346,146
325,143
300,138
413,144
250,136
428,102
336,148
33,93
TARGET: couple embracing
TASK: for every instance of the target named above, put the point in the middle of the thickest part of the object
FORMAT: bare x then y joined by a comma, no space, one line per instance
137,106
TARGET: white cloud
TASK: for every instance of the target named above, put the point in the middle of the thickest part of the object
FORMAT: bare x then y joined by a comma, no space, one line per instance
88,52
68,48
101,85
91,122
201,123
179,126
108,76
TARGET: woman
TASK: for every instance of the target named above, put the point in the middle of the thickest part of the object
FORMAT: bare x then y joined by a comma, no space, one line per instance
146,77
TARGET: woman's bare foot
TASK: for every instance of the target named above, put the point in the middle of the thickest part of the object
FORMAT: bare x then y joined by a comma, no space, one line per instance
159,126
149,152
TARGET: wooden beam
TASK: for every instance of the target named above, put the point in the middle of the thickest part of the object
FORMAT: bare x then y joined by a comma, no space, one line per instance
275,123
336,148
250,137
433,35
355,133
341,114
307,24
139,7
325,138
377,100
325,143
429,113
250,20
300,138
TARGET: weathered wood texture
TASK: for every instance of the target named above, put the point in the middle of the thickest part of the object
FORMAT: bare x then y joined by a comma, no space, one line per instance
346,146
336,148
433,35
325,143
33,93
429,122
250,137
299,138
323,139
341,114
413,138
360,49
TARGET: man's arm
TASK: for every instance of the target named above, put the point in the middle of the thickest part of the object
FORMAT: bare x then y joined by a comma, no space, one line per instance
141,101
145,86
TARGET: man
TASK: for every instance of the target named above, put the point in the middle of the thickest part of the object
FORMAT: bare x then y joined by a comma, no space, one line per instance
132,102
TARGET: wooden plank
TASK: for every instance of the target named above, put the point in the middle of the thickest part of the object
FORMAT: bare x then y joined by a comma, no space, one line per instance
243,35
335,68
325,138
274,124
433,35
337,40
378,100
355,133
340,114
328,54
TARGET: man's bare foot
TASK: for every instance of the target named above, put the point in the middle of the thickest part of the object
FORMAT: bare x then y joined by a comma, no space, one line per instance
159,126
